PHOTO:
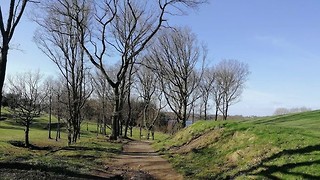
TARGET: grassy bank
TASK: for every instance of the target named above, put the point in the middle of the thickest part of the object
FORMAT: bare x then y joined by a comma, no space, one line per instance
285,147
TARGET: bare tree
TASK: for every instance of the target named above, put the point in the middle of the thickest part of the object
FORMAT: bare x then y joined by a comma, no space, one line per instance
58,106
31,95
176,56
58,39
147,86
231,76
7,28
49,84
103,91
132,25
206,88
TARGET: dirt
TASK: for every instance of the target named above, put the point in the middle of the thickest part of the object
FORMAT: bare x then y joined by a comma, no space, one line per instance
140,161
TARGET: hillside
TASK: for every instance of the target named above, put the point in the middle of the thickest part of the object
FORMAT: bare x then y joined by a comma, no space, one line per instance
285,147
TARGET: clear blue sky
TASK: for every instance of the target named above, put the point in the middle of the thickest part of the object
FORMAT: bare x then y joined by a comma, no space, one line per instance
279,39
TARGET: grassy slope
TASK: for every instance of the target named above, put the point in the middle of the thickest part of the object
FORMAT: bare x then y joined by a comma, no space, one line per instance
285,147
79,160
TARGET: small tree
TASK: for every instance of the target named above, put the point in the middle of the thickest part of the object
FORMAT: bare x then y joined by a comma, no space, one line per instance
231,76
206,88
147,86
176,55
30,96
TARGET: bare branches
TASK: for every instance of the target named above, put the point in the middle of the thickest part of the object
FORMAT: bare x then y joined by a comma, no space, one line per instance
30,95
176,56
231,76
58,38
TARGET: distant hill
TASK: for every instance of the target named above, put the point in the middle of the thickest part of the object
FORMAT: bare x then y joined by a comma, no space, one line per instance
275,147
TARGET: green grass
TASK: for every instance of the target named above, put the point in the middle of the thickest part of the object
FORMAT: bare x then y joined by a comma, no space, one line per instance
285,147
89,154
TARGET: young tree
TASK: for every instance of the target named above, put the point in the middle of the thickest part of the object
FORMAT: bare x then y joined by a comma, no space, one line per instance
58,39
103,92
206,88
176,56
231,76
147,86
31,95
8,26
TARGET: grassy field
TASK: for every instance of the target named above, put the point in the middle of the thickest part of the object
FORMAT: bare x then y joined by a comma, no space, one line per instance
278,147
50,159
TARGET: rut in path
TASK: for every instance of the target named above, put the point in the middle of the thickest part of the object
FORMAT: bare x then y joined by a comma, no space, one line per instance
140,156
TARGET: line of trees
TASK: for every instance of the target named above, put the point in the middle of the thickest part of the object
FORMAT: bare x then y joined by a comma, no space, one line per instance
121,64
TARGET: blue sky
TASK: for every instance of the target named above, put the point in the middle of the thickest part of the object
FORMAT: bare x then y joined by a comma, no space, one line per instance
279,39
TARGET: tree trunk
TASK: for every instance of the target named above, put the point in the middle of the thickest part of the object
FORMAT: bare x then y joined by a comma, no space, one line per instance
115,117
216,115
98,121
58,128
104,119
184,114
69,124
50,111
226,112
3,66
205,110
26,133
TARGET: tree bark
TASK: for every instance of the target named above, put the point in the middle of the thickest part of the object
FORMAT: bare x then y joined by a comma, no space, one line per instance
26,134
3,66
50,112
115,116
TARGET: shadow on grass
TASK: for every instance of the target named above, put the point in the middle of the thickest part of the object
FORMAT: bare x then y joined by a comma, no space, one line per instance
83,148
56,170
32,147
285,168
12,127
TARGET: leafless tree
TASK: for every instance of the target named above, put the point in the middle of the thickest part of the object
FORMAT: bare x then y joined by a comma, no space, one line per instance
57,37
49,83
217,93
231,76
103,91
206,88
9,21
132,24
147,86
58,107
31,95
283,111
176,55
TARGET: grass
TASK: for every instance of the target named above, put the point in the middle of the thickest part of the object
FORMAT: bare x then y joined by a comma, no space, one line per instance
278,147
50,158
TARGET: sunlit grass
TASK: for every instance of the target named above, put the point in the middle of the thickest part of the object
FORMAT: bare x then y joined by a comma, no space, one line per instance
285,147
86,155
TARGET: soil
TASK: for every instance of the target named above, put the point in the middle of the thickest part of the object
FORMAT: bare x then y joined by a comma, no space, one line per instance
140,161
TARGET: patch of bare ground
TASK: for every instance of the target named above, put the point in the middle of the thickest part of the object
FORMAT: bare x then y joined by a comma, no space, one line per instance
140,161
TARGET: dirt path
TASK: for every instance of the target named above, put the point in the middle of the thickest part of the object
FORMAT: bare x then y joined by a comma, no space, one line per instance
140,156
